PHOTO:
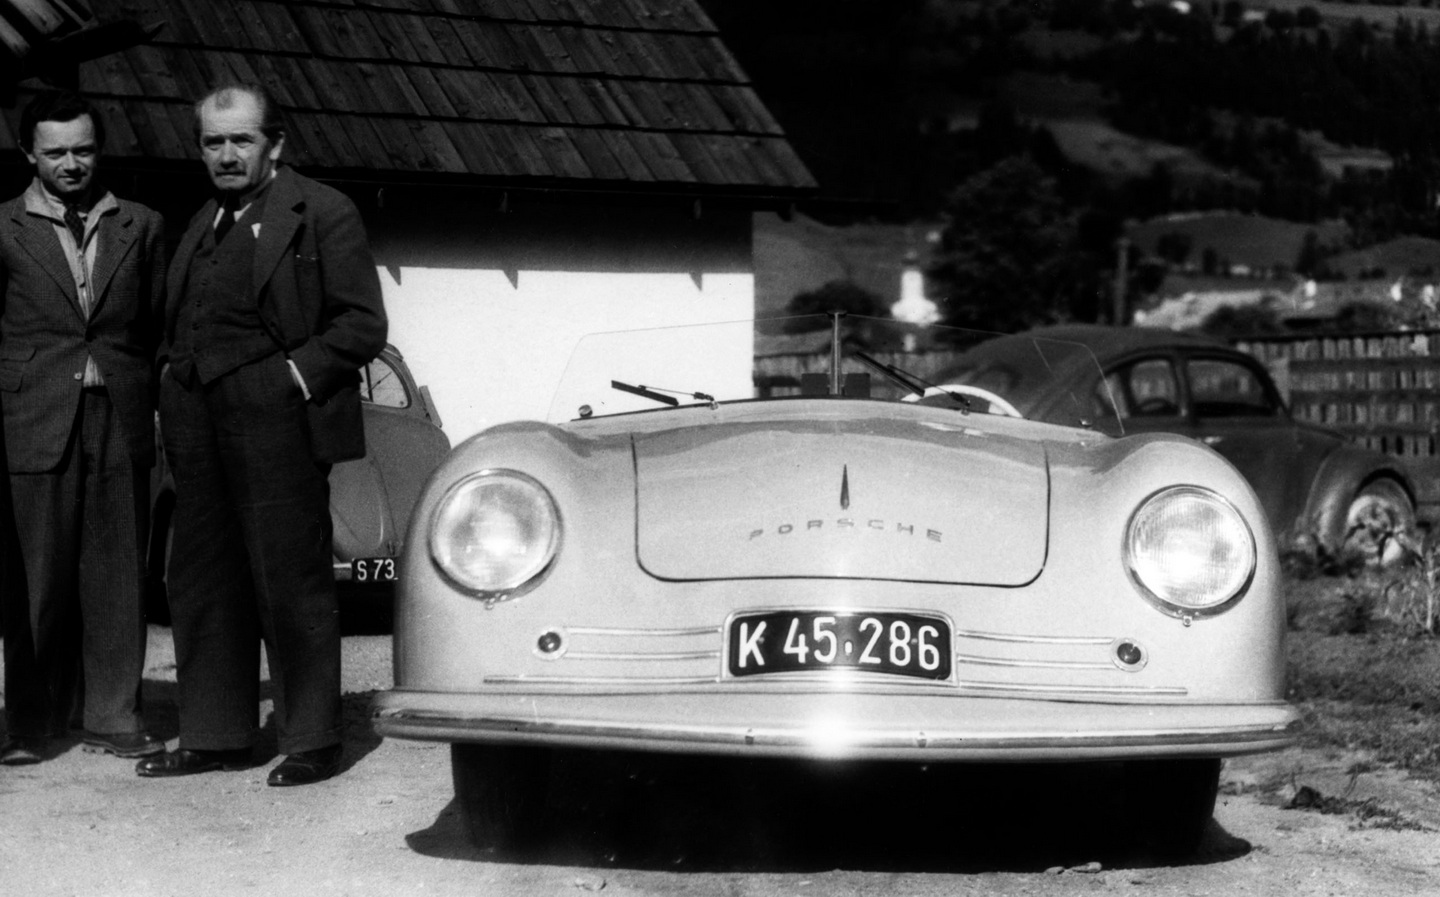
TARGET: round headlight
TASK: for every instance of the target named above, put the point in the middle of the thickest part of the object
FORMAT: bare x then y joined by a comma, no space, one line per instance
1190,550
494,531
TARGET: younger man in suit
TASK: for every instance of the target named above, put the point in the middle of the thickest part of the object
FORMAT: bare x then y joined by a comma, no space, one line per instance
82,281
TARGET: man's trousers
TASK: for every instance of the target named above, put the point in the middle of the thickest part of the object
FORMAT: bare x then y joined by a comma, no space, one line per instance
73,592
250,561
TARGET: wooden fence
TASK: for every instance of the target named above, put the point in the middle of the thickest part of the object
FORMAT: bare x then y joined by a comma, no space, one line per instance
1380,389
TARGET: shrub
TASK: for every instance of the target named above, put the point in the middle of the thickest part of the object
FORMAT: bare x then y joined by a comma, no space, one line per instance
1411,601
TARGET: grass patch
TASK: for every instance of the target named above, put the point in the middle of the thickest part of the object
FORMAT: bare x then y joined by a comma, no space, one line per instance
1362,680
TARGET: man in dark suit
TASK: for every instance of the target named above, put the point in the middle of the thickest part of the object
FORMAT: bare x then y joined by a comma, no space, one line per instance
274,305
83,282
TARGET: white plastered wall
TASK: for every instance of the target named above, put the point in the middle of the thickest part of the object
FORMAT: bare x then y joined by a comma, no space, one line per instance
493,350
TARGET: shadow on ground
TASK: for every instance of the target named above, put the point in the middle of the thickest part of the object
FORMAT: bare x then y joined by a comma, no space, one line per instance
708,814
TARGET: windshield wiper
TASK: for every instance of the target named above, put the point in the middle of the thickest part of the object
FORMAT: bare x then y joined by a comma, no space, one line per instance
908,381
663,396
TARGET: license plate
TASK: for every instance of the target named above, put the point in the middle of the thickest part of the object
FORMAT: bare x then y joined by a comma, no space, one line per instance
374,570
792,641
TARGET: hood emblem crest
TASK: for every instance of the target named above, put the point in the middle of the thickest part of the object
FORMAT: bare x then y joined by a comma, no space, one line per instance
845,488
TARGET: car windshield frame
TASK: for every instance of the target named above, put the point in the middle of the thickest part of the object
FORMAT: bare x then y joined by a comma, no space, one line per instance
818,356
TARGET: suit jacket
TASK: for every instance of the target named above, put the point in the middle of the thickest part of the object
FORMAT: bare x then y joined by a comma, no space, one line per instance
318,294
44,335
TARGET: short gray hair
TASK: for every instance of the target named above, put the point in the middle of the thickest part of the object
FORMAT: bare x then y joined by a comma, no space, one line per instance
271,124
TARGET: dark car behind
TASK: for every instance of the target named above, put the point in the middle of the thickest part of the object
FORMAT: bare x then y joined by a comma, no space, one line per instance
1314,484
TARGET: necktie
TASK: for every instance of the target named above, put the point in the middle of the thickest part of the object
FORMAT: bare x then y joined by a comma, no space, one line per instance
76,225
222,227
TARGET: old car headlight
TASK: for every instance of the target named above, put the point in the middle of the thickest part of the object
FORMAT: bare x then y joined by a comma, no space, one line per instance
494,531
1190,551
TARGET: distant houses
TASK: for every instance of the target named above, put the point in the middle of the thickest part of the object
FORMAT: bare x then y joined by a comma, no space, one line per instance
1298,271
1188,309
1297,304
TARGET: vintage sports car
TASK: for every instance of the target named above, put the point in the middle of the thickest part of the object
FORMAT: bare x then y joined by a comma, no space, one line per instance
1315,485
673,565
370,498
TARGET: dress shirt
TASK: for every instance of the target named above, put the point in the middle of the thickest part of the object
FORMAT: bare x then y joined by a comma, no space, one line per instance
80,256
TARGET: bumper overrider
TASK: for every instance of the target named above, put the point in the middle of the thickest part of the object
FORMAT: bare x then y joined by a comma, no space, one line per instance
849,726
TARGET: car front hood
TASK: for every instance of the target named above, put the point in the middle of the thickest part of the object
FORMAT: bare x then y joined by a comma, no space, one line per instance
864,499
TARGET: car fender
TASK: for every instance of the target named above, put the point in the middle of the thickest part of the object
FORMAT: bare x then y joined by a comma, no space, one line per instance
1342,474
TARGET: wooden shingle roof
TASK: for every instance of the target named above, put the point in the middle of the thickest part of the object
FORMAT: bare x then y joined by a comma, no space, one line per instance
554,93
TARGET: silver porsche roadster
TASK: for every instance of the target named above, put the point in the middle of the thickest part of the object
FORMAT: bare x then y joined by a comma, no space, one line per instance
861,565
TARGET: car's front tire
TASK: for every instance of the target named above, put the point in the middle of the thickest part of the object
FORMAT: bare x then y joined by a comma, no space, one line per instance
502,792
1169,803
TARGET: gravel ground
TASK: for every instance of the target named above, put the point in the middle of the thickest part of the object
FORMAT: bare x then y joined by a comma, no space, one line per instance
84,824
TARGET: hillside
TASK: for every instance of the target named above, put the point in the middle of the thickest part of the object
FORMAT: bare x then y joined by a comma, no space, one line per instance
1253,242
1100,148
1405,256
881,97
1235,129
1381,17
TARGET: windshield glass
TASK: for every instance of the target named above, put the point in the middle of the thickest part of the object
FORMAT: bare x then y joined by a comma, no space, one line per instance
849,356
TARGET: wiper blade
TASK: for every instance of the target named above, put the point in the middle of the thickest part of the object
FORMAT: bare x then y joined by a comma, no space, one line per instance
658,394
645,392
906,380
900,378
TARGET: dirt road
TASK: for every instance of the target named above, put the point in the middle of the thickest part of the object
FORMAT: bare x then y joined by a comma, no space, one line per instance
84,824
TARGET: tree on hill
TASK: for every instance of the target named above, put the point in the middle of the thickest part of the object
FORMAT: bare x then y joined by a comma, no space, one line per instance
1006,257
1229,321
1365,317
1174,248
1312,257
836,295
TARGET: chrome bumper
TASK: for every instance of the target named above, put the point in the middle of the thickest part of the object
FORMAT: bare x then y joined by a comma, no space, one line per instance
856,726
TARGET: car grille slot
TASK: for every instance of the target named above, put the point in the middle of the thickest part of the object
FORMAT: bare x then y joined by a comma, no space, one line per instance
672,657
1000,663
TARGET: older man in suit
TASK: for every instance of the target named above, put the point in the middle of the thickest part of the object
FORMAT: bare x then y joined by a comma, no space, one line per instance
83,283
274,305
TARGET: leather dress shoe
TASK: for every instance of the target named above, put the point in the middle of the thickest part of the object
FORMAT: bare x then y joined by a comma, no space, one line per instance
307,767
186,762
21,752
122,744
